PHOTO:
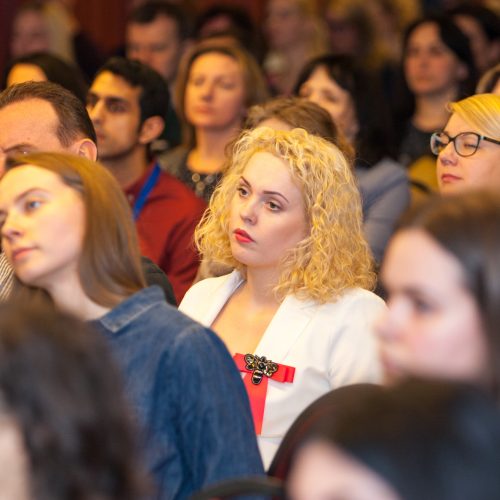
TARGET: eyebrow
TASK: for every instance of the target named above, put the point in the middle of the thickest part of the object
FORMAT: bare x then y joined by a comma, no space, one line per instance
108,99
22,145
273,193
26,193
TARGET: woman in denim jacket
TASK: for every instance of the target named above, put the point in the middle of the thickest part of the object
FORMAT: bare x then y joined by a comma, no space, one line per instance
69,235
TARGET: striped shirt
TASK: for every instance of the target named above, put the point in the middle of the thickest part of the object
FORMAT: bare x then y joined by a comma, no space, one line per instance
6,277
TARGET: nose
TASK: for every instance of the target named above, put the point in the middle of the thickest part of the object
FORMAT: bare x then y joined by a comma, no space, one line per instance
207,90
448,155
388,326
314,97
96,111
143,55
11,229
248,211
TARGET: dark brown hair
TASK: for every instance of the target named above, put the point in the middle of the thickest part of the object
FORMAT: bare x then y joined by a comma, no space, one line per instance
300,113
74,121
467,226
60,385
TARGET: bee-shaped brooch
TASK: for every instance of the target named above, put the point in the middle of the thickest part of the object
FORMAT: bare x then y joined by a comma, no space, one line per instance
260,366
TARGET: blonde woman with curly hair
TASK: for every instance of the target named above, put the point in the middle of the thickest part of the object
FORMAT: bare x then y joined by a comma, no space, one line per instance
296,313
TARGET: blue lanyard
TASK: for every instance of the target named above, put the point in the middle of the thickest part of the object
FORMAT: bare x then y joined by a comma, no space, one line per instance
145,190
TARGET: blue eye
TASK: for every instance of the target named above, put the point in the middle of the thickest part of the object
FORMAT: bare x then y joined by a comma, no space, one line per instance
31,205
422,306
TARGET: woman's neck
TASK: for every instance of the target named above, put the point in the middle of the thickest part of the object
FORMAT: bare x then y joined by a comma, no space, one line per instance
209,154
431,111
297,53
295,57
70,298
259,286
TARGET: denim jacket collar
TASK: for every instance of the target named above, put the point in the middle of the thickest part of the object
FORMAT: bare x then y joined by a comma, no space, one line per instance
132,307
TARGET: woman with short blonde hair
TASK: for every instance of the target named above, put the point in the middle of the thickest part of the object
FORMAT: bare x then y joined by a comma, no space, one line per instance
468,147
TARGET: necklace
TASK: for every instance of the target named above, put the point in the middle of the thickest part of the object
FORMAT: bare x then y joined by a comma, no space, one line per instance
203,185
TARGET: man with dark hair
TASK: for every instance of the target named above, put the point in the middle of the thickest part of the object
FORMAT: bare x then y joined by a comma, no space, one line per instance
157,35
52,118
43,116
127,102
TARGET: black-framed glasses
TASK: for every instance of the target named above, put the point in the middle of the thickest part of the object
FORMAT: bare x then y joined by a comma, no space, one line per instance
465,143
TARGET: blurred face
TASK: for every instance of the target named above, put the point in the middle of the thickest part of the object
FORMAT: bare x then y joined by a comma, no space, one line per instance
430,66
284,23
42,226
433,325
215,25
267,214
215,93
496,88
322,90
24,73
322,472
29,34
456,173
113,106
479,43
29,126
343,34
156,44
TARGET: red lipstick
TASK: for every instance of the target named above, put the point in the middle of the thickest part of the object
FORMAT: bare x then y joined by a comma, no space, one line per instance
242,236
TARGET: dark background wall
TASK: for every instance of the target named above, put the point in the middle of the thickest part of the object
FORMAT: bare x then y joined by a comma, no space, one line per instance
104,20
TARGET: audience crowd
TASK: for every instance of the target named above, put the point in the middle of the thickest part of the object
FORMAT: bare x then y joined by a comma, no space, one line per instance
244,257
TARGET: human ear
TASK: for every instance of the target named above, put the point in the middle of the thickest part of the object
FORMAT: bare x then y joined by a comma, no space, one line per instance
462,72
86,148
151,129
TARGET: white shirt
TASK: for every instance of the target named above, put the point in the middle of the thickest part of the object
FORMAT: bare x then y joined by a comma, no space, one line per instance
330,345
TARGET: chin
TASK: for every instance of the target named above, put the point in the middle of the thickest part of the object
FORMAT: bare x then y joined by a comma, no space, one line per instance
452,188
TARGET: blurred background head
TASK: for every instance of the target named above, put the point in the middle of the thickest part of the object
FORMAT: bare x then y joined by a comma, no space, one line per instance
64,420
44,66
423,439
442,279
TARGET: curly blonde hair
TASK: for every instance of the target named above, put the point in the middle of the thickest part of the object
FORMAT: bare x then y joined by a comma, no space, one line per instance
335,255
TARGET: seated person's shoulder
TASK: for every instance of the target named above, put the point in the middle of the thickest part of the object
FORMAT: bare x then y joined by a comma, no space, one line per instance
207,288
155,276
173,160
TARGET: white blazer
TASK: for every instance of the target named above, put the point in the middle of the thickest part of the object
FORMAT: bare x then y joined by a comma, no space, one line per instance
330,345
